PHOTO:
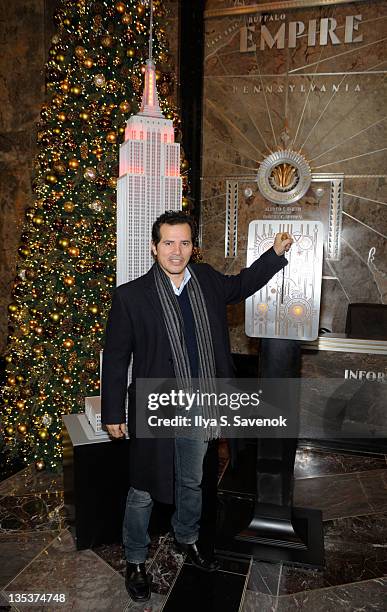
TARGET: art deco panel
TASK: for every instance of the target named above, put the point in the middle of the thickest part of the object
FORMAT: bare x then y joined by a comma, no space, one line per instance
289,305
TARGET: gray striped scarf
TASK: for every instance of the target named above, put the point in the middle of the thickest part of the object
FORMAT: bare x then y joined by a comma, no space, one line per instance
175,328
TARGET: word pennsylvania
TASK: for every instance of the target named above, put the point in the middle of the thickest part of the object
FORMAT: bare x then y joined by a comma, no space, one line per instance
296,88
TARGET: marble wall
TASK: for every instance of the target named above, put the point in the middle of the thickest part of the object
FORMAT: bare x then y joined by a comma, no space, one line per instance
326,102
26,27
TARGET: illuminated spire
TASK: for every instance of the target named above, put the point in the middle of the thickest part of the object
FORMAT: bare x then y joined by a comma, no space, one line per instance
150,103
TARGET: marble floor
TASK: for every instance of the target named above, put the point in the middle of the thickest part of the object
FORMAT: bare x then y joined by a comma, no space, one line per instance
38,552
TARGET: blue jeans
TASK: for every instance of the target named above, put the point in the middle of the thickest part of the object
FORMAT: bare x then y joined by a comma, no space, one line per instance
189,455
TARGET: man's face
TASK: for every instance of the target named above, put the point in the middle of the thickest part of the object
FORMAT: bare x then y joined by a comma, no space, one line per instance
174,250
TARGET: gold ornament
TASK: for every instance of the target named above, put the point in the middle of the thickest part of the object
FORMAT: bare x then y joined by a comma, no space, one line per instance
43,433
91,365
124,106
110,279
82,266
60,299
120,7
22,429
84,149
96,206
20,405
76,90
38,350
113,182
37,220
13,308
62,117
164,89
55,316
104,296
68,207
40,465
24,329
69,281
93,309
111,137
11,380
106,41
100,80
65,86
38,330
63,242
84,115
90,174
88,62
80,51
126,18
73,163
111,86
67,380
73,251
136,82
51,178
131,52
60,168
9,430
24,251
68,343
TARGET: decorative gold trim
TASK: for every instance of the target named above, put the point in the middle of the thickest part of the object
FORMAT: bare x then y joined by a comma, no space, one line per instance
341,344
271,7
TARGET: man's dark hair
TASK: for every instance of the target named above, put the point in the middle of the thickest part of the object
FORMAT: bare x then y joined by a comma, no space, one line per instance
173,217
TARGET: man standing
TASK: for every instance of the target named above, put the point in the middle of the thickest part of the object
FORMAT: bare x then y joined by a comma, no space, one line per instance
173,321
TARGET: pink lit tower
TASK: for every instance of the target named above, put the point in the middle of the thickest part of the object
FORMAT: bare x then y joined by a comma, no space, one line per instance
149,178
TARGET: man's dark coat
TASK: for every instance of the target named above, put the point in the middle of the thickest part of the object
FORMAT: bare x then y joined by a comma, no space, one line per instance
135,325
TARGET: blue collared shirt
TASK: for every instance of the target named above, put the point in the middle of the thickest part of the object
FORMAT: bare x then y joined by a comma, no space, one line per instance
187,276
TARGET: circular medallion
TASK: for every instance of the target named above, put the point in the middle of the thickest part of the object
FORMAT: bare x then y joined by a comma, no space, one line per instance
284,177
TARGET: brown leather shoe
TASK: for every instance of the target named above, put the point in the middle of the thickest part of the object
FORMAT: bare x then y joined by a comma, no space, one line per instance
138,582
193,554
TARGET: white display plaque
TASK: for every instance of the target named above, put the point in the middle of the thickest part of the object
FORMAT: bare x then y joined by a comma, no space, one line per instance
289,305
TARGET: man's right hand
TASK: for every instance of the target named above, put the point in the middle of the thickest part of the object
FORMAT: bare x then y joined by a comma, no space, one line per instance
117,431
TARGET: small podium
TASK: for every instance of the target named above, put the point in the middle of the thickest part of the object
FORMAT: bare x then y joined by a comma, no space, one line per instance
96,482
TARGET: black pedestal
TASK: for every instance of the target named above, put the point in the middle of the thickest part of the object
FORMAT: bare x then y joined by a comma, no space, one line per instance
236,511
96,483
271,528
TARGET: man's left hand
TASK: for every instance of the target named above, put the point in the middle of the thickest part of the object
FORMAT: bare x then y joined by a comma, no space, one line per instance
282,243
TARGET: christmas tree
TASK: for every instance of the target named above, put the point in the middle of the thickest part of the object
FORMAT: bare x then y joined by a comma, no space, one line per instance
66,270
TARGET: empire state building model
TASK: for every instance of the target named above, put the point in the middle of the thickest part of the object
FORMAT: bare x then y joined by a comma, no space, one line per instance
149,181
